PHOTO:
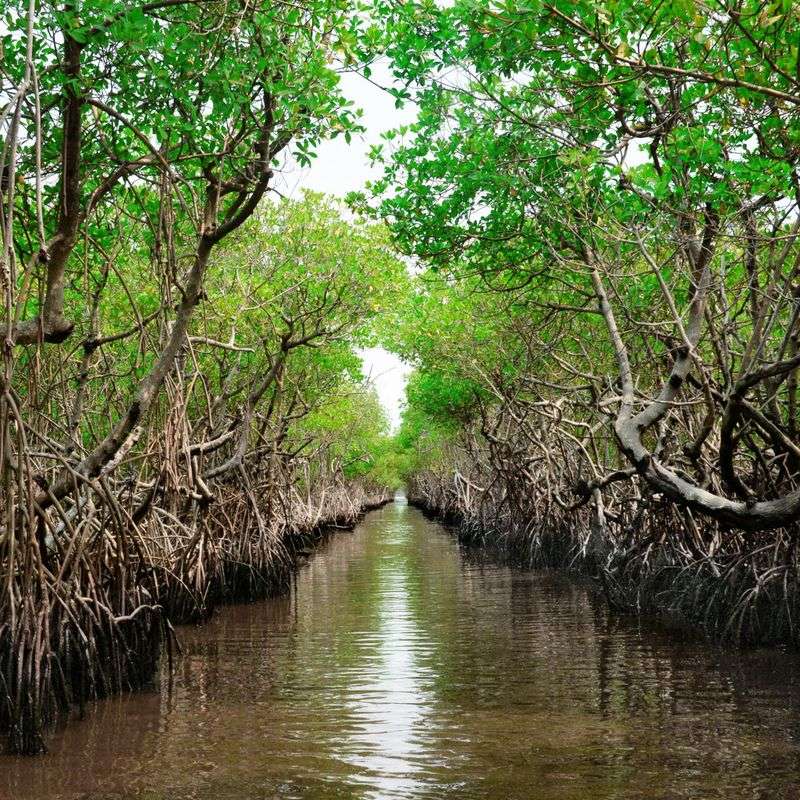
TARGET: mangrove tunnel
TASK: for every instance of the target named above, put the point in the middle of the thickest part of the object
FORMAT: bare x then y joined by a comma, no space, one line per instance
399,399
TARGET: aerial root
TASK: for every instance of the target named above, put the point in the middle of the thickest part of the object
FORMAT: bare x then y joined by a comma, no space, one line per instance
650,557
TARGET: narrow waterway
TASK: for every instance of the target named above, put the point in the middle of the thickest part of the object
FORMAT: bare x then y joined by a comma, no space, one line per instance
402,668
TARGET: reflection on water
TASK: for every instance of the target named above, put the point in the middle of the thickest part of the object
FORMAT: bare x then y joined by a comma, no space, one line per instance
399,667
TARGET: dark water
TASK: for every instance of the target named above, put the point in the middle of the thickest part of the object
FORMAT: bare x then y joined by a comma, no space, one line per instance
399,668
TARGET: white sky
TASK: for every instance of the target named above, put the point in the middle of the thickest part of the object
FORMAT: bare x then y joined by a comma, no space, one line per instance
340,168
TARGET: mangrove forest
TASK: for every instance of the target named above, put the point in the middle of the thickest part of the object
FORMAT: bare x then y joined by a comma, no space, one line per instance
566,565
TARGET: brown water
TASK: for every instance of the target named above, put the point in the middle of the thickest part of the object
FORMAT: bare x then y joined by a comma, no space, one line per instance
400,668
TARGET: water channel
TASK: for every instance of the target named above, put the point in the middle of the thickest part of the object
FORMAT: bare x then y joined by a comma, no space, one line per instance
402,667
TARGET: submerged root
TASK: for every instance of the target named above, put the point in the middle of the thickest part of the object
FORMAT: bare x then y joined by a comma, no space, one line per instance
65,649
652,557
87,617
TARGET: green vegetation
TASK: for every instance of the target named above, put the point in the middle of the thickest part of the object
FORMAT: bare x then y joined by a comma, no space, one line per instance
603,200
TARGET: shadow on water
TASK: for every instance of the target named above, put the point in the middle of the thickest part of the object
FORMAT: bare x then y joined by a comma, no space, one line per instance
401,667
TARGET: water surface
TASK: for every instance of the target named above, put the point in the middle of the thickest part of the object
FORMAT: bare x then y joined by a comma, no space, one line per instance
400,667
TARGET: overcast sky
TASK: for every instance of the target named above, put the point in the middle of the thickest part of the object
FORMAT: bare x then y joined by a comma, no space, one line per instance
340,168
